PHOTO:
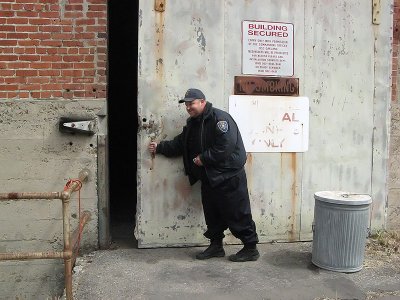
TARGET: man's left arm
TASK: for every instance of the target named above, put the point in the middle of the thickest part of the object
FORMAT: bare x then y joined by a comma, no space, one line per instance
224,145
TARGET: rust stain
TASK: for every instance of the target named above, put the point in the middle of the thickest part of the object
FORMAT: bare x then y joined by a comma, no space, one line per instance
292,167
164,184
159,5
183,46
249,172
12,195
292,232
159,36
249,160
165,205
202,74
183,190
157,186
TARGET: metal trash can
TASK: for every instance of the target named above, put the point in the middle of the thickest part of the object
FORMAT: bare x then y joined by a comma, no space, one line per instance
340,230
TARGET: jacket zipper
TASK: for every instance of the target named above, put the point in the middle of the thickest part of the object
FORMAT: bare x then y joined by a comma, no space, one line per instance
201,136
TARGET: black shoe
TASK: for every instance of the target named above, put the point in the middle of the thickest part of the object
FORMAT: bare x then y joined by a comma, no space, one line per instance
246,254
212,251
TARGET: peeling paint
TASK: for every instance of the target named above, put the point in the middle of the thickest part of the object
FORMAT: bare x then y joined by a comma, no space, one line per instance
201,40
140,17
140,61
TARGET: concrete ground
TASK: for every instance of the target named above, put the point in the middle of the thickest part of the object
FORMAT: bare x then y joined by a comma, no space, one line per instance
284,271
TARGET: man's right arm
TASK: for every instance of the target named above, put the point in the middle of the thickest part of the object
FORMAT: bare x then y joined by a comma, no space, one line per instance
170,148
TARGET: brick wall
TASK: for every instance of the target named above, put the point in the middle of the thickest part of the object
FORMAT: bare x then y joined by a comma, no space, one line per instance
53,49
50,50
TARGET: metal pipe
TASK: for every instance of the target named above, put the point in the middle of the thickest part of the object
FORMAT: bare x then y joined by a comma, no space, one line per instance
67,253
67,247
85,217
83,175
17,196
34,255
66,195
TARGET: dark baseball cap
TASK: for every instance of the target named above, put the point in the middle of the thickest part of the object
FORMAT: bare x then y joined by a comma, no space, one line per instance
192,94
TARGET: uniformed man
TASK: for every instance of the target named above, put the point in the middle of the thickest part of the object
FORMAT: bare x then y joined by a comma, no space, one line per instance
213,152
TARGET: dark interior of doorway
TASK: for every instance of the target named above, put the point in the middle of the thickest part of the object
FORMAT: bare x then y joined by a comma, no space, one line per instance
122,118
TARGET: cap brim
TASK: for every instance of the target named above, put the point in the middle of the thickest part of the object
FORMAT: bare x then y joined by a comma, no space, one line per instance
186,100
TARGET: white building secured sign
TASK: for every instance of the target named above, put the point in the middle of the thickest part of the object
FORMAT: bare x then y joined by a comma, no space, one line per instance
267,48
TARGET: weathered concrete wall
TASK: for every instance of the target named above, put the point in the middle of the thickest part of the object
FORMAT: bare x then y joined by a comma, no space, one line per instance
49,50
36,157
393,212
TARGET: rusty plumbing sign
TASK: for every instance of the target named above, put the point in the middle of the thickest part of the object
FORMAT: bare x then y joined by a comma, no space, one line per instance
266,86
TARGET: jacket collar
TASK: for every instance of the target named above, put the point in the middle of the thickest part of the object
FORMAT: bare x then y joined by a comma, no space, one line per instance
207,110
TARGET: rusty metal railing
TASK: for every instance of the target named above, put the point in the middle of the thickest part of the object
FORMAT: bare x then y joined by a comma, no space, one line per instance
70,247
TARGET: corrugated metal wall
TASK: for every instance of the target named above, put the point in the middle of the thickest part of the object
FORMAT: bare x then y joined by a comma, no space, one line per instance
340,60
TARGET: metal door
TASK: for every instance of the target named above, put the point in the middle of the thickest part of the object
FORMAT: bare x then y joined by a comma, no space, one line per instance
180,47
187,43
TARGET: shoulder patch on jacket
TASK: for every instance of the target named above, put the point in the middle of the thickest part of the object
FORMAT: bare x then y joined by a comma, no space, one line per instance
223,126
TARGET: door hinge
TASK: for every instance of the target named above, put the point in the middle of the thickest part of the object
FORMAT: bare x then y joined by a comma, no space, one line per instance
159,5
376,12
72,125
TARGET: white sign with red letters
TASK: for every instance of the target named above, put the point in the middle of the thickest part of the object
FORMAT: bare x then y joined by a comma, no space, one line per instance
267,48
272,123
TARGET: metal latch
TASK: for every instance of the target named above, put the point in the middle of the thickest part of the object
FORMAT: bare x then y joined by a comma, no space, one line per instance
69,125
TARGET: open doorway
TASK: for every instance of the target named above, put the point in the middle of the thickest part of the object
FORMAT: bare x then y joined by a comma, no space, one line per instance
122,118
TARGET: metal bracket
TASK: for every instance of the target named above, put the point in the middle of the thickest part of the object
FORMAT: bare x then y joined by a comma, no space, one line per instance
68,125
159,5
81,125
376,12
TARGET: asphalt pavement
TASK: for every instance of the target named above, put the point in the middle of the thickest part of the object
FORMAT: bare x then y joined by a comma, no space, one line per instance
284,271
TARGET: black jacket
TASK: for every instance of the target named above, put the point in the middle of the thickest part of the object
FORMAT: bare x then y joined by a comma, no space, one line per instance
223,154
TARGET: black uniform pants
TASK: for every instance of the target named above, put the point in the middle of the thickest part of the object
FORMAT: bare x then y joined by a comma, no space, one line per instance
228,206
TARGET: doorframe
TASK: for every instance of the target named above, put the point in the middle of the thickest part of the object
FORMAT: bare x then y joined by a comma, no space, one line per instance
104,235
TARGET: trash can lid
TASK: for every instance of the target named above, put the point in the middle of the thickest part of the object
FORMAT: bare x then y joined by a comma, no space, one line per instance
340,197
